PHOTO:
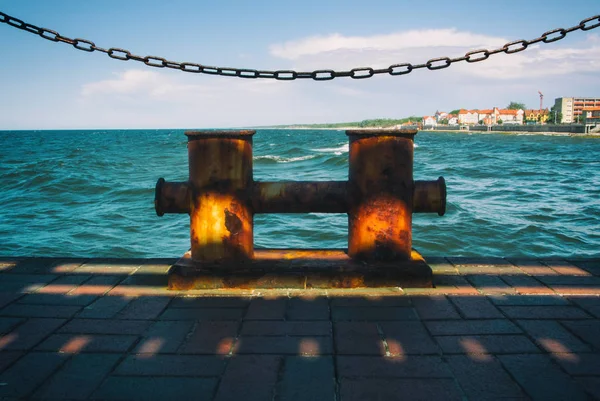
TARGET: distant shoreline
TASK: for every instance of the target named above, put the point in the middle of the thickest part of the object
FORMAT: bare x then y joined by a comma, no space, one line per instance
548,133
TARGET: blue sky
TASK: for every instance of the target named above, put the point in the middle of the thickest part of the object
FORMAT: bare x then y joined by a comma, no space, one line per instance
46,85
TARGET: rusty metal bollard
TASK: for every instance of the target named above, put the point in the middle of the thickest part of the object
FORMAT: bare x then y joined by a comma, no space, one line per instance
221,198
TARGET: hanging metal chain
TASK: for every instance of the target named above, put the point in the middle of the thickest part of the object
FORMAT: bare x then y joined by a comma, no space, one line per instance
289,75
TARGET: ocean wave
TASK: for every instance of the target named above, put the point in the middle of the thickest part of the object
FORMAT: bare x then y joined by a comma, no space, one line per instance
280,159
345,148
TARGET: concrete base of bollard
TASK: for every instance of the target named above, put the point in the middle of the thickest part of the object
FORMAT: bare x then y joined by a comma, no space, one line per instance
300,269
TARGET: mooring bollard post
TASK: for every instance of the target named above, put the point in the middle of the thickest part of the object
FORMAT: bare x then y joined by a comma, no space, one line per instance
380,215
221,198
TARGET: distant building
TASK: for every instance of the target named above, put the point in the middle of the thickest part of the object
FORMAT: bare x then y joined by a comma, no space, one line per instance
487,116
571,108
510,116
428,120
468,117
537,116
441,115
452,119
590,115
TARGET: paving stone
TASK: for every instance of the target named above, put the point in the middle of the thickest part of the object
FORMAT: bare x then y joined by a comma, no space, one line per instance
307,309
35,265
7,358
410,389
471,327
552,337
156,388
590,304
541,378
527,285
254,376
79,377
490,285
8,297
200,314
287,328
565,268
484,344
77,343
408,338
590,265
415,366
284,345
587,330
211,302
371,301
24,310
476,307
544,312
23,377
482,265
528,300
65,266
30,333
105,307
266,309
211,338
591,385
104,326
455,285
57,299
9,323
374,314
164,337
98,285
28,279
358,338
16,288
573,281
144,308
533,267
120,266
571,290
441,266
434,307
135,290
579,364
64,284
307,379
484,379
171,365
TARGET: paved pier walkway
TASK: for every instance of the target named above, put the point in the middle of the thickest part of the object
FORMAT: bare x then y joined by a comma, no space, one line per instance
109,330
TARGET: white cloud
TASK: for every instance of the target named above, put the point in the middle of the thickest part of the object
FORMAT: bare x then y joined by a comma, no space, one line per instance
417,46
414,39
169,87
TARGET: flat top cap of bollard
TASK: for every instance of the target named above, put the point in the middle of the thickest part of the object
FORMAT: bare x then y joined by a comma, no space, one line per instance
219,133
382,132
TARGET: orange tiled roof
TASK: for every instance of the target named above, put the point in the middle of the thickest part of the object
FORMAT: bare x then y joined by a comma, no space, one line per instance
487,111
508,112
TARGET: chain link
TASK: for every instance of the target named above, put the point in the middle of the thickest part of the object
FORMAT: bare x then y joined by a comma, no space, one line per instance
437,63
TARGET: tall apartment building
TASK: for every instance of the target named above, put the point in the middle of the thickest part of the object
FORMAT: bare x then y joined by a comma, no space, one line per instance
571,107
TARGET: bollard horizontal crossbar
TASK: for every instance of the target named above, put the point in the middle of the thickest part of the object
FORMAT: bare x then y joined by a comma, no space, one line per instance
299,197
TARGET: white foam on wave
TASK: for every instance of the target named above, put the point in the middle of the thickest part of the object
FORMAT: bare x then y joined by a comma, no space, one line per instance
336,151
280,159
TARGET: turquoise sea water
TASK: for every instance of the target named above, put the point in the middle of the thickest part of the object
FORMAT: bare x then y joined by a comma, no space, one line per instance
90,193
